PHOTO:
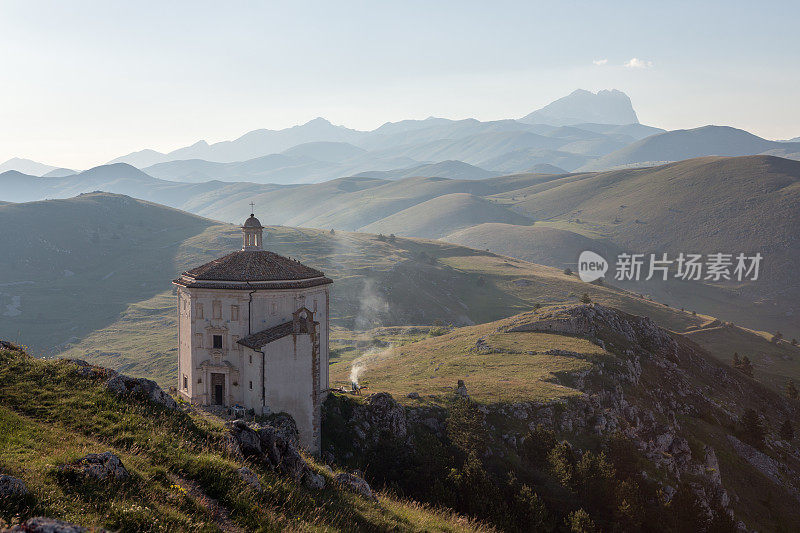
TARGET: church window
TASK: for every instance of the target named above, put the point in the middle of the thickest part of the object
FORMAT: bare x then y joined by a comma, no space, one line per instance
185,382
217,309
251,359
199,309
235,313
198,339
217,339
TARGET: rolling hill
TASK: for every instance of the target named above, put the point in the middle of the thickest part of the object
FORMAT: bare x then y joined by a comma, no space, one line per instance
444,214
444,169
97,269
686,144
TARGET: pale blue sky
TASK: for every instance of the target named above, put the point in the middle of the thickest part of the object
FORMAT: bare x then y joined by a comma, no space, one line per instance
84,82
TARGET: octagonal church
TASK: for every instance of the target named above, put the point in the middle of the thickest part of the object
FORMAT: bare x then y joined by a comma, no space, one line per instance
253,332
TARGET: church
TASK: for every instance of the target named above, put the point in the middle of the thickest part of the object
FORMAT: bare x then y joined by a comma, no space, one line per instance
253,332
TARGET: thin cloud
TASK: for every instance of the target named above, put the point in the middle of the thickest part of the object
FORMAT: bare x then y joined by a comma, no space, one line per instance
600,61
635,62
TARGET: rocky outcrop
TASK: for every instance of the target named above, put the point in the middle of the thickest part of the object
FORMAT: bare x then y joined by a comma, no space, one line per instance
11,487
249,477
649,388
355,484
268,445
125,385
765,464
96,466
41,524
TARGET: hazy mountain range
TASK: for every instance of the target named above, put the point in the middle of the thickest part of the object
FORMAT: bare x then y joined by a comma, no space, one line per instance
579,132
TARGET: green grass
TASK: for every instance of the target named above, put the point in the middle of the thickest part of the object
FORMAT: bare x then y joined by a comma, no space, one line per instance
773,363
49,415
497,366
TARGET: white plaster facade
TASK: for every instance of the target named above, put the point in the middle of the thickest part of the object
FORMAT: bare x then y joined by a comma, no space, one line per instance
258,343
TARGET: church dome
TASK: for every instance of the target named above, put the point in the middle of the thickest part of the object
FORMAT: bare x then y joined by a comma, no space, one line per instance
252,222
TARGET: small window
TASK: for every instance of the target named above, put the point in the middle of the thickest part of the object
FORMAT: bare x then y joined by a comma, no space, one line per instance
198,340
274,308
217,342
315,305
235,313
185,382
251,359
251,385
199,310
216,308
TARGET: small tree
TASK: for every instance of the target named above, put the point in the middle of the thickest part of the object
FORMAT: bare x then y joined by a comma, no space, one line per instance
794,342
791,390
568,271
392,237
753,430
747,366
333,232
778,336
585,298
580,522
786,431
737,362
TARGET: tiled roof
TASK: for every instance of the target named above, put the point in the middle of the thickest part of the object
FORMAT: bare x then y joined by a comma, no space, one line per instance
253,265
266,336
249,286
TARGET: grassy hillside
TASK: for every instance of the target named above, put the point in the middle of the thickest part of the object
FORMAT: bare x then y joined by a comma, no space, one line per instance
445,214
773,362
71,266
688,207
535,243
377,283
182,478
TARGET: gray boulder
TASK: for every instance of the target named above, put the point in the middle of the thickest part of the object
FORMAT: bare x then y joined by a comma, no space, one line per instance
249,477
355,484
11,487
386,415
268,445
41,524
97,466
125,385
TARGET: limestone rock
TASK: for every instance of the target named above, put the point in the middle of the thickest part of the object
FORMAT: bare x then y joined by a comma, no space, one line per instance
97,466
268,445
249,477
11,487
356,484
314,481
387,415
41,524
124,385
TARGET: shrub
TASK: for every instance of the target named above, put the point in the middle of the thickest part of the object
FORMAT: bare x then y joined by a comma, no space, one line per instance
791,390
580,522
787,431
753,430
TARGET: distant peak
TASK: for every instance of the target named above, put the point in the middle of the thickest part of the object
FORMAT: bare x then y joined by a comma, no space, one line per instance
318,121
606,106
